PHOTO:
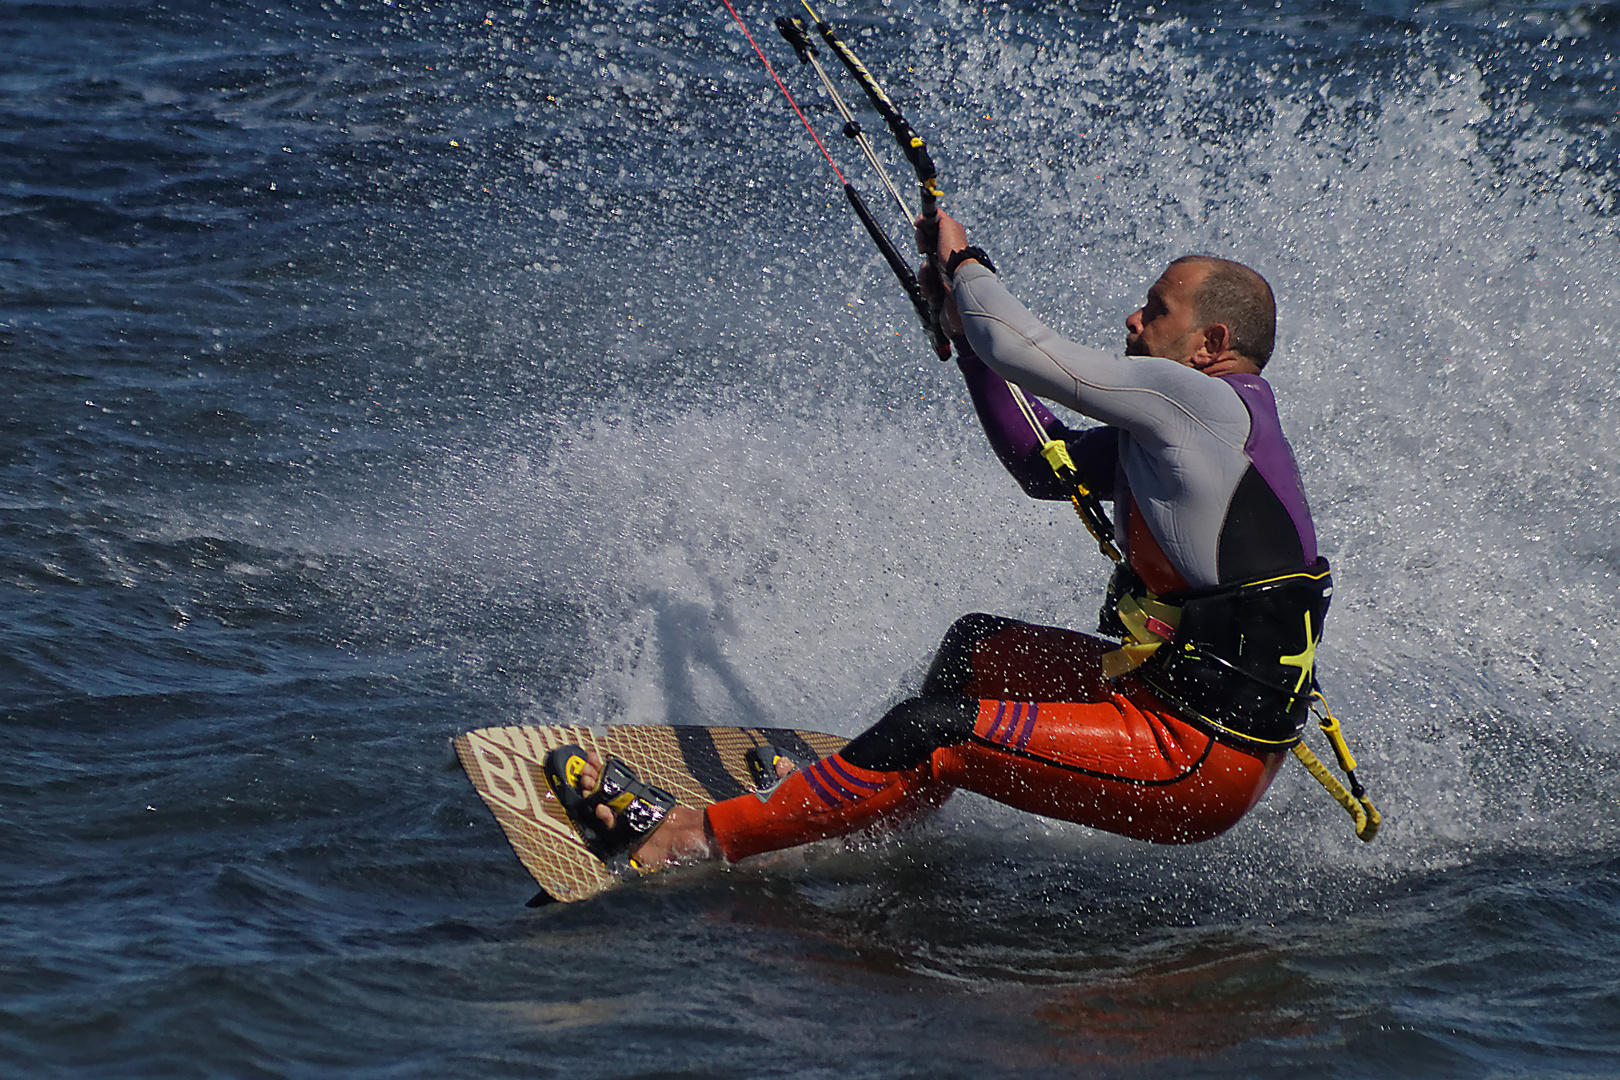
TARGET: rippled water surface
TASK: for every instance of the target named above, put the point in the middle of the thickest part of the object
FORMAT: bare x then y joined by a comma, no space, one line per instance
379,370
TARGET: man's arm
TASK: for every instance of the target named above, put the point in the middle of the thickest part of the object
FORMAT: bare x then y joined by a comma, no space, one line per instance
1156,400
1095,452
1015,442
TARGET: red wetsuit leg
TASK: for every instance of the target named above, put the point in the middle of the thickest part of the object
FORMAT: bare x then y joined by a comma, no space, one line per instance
1051,737
830,798
1113,765
1105,754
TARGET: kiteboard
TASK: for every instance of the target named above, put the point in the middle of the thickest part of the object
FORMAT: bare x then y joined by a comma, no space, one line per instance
698,765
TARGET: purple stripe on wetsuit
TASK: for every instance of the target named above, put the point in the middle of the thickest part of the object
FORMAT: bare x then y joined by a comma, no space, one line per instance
835,766
1020,723
812,776
1273,458
994,734
1028,729
832,781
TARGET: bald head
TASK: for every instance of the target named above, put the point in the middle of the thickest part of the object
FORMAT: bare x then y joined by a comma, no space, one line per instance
1234,295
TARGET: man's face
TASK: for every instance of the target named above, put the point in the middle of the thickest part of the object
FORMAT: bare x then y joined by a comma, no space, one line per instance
1167,325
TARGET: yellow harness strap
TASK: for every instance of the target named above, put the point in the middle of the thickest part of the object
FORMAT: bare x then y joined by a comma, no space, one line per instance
1151,623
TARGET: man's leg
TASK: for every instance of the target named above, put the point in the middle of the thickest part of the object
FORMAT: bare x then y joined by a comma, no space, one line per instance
1108,754
1124,766
1039,729
882,777
1020,713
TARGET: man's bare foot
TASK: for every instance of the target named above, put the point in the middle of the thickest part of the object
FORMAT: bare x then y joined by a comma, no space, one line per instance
683,834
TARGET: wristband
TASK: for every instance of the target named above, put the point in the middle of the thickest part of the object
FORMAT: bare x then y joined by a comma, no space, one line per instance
959,257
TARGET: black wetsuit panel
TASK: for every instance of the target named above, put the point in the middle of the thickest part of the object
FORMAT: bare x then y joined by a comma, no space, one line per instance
1258,537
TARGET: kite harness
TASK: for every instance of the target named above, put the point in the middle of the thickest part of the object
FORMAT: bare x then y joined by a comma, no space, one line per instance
1221,655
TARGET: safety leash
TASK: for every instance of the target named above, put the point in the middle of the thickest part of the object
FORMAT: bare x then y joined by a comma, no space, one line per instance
1355,801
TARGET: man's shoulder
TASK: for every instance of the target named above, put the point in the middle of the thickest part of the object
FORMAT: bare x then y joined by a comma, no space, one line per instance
1254,390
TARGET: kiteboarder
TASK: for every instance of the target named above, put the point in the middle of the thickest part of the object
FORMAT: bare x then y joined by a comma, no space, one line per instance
1219,598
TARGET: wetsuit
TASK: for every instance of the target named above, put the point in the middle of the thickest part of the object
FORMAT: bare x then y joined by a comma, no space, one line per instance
1206,494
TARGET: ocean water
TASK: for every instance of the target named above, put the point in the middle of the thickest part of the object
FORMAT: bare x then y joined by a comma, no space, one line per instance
381,369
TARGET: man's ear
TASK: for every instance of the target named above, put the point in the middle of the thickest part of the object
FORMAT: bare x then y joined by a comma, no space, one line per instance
1215,356
1217,339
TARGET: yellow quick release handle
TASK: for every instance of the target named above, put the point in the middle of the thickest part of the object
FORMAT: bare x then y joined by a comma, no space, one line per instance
1056,453
1355,800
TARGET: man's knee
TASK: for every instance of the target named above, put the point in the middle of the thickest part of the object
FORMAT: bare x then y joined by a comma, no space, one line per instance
911,731
952,668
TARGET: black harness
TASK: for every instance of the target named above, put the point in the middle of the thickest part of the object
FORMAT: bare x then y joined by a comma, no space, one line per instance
1241,659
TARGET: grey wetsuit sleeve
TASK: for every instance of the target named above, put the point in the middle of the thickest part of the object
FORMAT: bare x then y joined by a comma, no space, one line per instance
1183,451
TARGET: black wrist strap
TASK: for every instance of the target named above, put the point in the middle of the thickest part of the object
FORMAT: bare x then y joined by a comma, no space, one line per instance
959,257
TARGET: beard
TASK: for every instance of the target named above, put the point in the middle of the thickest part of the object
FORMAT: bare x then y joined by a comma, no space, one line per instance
1134,347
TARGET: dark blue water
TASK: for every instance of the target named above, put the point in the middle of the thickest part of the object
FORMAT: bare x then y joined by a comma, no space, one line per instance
379,370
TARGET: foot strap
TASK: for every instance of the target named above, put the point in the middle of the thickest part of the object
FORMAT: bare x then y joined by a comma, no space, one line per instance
762,762
638,807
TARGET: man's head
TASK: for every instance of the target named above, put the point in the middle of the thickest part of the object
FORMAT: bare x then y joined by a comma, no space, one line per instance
1212,314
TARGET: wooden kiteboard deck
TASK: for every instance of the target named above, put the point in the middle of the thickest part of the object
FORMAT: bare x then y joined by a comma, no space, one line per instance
698,765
